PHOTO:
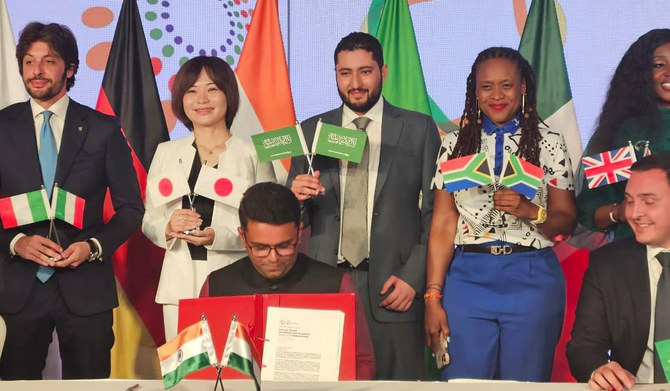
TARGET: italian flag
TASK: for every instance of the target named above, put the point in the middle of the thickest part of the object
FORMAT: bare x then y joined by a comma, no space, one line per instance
68,207
542,45
191,350
26,208
241,354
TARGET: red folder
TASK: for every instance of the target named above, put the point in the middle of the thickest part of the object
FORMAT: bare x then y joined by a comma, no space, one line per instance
252,312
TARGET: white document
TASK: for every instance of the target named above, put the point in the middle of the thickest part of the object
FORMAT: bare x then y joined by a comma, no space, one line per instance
302,345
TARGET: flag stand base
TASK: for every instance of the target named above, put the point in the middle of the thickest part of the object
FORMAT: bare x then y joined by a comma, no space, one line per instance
219,368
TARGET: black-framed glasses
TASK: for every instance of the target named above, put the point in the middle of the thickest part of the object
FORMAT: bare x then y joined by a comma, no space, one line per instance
263,250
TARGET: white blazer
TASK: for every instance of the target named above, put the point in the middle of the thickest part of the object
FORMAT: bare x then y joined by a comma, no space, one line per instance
182,278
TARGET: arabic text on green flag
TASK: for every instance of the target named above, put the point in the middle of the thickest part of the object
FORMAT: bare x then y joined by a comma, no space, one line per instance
278,144
340,143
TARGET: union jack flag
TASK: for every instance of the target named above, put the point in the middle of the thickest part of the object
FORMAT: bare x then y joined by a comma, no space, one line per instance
609,167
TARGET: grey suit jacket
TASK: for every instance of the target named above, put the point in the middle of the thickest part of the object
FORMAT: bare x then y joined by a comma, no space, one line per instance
399,233
613,311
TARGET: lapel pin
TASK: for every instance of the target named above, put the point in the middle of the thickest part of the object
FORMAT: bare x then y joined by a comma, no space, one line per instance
80,128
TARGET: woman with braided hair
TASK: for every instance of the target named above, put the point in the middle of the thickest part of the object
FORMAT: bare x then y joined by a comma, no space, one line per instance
494,285
637,109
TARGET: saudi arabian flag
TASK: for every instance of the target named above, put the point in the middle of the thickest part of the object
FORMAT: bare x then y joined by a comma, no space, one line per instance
68,207
542,45
279,143
391,22
191,350
338,142
26,208
241,354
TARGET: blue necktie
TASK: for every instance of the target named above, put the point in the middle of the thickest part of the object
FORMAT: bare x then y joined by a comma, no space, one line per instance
48,154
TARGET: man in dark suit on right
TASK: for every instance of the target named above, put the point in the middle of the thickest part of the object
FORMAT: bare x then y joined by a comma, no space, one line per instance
624,304
373,218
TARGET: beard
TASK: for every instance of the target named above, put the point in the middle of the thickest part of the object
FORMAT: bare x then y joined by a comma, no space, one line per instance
365,106
45,94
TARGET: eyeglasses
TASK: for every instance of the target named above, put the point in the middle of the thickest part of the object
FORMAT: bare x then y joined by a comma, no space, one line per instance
263,250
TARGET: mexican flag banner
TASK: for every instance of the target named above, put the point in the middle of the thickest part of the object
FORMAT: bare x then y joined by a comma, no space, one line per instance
26,208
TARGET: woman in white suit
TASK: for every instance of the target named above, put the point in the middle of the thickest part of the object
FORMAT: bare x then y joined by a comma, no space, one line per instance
198,233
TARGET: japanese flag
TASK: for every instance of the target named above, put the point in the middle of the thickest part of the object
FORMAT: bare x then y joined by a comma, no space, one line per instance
220,187
166,187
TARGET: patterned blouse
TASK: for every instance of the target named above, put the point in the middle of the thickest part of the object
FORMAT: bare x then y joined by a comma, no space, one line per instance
478,222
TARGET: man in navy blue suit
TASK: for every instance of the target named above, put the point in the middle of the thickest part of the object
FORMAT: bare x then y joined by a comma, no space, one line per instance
66,284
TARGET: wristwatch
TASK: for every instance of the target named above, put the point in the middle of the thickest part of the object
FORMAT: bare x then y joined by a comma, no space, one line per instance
94,253
541,216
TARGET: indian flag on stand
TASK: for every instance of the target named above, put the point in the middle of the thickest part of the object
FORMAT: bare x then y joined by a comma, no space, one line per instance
466,172
68,207
191,350
241,354
542,45
26,208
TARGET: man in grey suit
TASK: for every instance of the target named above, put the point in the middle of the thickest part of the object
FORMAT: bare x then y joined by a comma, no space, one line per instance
373,218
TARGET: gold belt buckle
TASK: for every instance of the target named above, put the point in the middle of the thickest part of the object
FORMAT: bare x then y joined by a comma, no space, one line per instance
501,250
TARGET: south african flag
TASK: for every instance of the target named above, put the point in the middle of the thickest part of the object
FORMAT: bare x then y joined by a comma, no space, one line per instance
523,177
465,172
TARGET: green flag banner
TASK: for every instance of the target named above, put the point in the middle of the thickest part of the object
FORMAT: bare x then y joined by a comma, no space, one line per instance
542,45
278,144
663,351
339,143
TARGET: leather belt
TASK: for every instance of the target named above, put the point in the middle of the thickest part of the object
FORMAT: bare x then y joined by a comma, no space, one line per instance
364,266
503,249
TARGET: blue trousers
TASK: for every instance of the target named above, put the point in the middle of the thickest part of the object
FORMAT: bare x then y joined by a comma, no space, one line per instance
505,313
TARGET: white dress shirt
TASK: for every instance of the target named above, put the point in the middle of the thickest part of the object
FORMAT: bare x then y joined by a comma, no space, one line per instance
645,374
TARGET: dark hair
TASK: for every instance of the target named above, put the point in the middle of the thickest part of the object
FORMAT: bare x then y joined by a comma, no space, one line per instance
220,73
364,41
470,133
269,203
659,161
59,38
631,93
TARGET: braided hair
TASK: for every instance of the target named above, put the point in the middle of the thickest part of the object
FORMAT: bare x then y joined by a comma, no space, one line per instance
470,129
631,93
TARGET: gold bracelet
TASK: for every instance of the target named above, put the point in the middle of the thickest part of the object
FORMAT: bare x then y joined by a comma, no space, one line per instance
614,219
429,295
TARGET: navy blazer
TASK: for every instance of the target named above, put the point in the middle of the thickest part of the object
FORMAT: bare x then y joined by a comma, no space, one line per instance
399,234
94,156
614,310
